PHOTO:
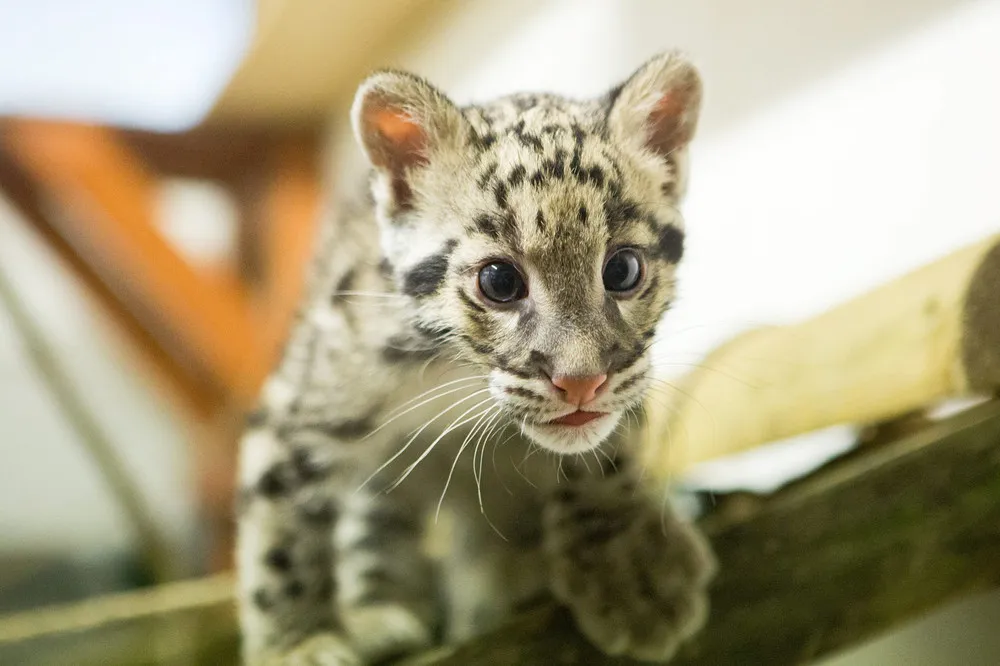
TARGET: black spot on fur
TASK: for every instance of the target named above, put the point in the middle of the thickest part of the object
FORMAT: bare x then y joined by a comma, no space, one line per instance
670,244
500,194
537,179
319,512
385,268
517,175
611,98
353,428
540,361
399,355
477,346
581,214
554,167
633,357
669,189
306,467
274,483
527,139
540,220
434,333
618,211
376,577
279,559
486,225
575,163
294,589
597,176
508,228
481,142
629,383
523,393
401,349
262,600
392,520
487,176
566,495
425,278
346,283
517,372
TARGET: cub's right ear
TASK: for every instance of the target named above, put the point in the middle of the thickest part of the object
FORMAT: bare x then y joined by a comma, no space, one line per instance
401,121
658,105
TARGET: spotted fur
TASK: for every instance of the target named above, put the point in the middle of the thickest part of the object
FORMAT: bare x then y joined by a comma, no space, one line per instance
398,365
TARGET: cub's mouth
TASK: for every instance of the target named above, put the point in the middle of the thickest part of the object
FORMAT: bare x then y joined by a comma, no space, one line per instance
577,418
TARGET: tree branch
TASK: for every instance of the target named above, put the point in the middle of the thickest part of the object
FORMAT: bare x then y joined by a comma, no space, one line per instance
826,563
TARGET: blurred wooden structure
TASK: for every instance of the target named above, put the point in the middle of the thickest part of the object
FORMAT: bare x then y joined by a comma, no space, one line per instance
210,333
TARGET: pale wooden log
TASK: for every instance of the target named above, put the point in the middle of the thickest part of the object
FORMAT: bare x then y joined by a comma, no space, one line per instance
930,335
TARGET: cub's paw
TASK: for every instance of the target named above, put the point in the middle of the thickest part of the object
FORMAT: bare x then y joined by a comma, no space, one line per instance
634,577
320,650
386,631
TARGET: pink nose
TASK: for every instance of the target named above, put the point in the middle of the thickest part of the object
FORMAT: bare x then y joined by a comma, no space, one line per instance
579,390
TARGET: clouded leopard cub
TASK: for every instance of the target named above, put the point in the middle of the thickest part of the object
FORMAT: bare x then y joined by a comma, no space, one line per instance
477,335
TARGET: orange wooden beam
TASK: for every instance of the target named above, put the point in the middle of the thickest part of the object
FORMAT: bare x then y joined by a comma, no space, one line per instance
291,213
106,215
202,397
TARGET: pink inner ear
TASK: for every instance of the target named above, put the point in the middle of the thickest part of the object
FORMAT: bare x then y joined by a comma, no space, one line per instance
667,123
396,126
669,106
398,141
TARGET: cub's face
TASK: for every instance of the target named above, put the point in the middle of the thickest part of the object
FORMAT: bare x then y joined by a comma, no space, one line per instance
538,236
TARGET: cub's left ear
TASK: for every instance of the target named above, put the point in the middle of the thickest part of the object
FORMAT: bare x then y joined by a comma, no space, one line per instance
658,105
401,121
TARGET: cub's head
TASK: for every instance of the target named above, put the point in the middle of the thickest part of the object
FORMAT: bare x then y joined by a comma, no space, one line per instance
537,236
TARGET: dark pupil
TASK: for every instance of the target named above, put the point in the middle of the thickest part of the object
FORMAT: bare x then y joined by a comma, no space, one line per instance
501,282
621,272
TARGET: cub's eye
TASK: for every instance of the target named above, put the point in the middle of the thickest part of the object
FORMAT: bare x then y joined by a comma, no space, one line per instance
623,271
501,282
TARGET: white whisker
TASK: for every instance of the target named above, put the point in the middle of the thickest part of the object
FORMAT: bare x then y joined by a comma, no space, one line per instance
451,472
417,434
394,416
483,438
452,426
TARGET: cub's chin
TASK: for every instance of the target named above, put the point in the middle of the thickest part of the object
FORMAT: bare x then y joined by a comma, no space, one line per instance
574,433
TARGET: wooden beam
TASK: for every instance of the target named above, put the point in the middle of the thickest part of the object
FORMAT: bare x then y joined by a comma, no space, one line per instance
307,57
826,564
925,337
105,200
197,393
852,551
